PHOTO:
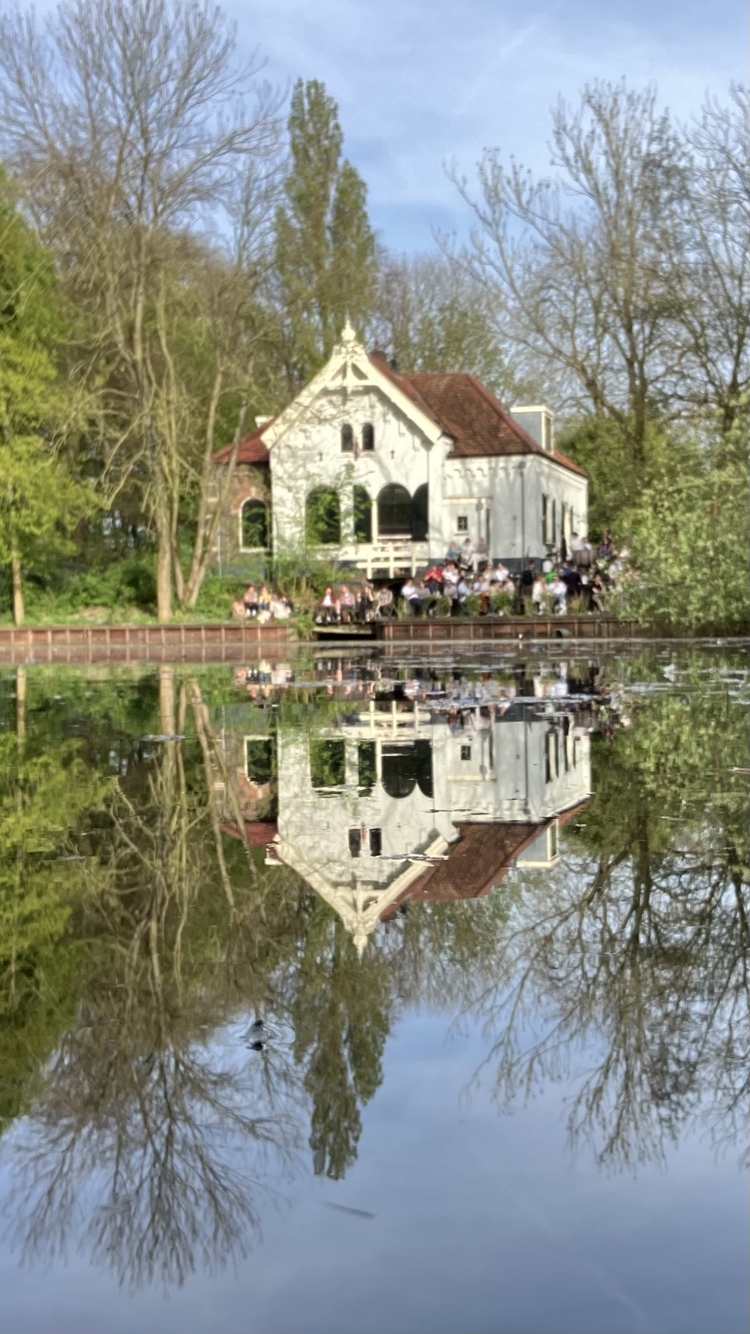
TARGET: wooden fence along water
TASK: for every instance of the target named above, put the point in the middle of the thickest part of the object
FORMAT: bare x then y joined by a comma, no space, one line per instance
231,641
141,643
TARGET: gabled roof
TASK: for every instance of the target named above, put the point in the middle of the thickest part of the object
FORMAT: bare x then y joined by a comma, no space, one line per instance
478,422
251,448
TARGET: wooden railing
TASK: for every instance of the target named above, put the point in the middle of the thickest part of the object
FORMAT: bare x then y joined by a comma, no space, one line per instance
393,557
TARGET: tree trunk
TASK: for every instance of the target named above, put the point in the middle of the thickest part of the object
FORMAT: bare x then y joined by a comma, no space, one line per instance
163,565
15,568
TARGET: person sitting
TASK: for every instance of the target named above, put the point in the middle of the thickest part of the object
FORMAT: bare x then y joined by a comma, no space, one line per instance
386,605
347,603
462,592
539,593
450,577
482,588
454,551
264,599
434,579
279,607
366,603
410,594
597,593
480,555
498,573
427,598
559,590
239,611
606,549
467,560
572,580
250,600
329,608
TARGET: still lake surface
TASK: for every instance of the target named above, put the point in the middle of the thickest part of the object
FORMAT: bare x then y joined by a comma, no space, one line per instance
378,994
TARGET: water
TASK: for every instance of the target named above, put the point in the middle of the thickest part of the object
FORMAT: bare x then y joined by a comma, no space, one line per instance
353,993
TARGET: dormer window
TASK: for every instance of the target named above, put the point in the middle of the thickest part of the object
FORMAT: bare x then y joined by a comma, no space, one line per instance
368,437
347,438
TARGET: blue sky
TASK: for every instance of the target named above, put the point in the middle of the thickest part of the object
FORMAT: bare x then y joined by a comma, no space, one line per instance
419,82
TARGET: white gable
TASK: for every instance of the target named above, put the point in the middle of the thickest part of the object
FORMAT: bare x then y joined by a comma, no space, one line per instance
349,372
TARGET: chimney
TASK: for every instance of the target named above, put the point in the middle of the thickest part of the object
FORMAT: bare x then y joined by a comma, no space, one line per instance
537,421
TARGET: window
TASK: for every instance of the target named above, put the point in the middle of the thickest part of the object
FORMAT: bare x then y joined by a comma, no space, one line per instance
323,517
259,760
376,842
420,513
462,523
548,521
327,763
399,769
355,842
255,526
366,767
362,515
347,438
551,763
368,437
394,512
466,752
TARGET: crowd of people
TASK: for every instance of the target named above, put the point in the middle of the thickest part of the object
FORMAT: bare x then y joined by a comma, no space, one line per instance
578,579
262,604
583,573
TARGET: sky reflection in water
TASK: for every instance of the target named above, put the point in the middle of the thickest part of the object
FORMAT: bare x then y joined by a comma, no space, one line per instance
515,1063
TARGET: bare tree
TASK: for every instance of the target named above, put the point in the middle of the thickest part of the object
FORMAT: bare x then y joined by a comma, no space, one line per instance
432,316
129,125
710,267
575,264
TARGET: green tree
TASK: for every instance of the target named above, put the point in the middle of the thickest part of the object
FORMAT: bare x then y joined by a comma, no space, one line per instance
325,246
689,537
41,500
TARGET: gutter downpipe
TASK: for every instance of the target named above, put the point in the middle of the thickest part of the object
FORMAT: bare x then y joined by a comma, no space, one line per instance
523,514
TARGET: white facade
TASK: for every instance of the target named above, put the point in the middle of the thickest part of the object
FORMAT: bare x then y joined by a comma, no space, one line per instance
512,771
496,497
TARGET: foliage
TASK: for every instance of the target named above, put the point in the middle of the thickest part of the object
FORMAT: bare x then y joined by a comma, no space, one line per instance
41,500
432,316
325,247
689,537
617,481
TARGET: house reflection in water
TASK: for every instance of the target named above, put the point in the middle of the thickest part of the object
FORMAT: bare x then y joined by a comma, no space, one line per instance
400,803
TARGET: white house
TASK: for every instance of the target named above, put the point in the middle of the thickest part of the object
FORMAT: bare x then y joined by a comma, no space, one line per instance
381,469
393,805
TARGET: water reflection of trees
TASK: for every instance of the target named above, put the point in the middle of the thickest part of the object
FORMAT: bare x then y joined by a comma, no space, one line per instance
637,953
152,1129
155,1125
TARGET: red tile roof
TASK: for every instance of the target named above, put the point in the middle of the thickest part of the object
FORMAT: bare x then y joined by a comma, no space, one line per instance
258,833
251,449
470,413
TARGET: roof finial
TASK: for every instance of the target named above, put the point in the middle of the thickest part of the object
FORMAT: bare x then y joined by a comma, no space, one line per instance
348,335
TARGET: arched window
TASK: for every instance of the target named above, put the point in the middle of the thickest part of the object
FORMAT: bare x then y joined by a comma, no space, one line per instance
323,516
398,770
424,766
420,520
255,526
347,438
368,437
394,512
362,515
